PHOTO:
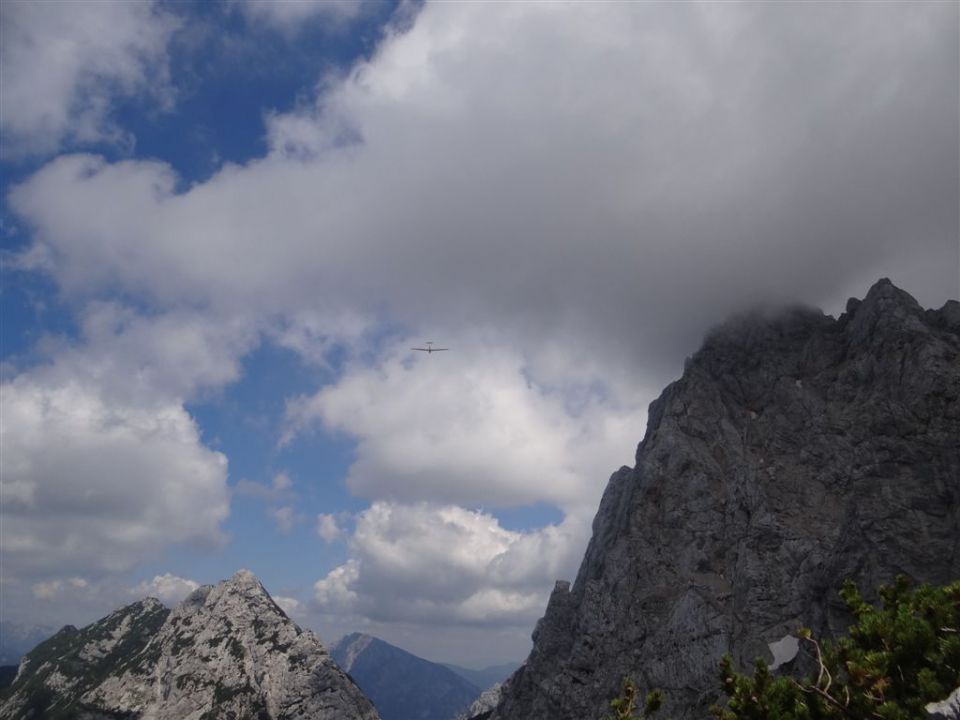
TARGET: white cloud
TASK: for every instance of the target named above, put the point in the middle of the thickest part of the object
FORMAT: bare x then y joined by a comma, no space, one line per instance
470,427
461,177
102,465
333,593
279,489
328,528
428,563
68,588
178,354
313,334
291,606
285,517
47,590
65,62
168,588
100,485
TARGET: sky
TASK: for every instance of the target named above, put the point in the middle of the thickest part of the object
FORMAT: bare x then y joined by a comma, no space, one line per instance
225,224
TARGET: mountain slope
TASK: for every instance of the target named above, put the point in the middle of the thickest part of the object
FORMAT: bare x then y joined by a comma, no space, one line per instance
401,685
225,651
796,451
56,675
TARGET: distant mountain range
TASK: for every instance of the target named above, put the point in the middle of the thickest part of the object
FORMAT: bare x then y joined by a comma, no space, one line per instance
401,685
227,651
17,639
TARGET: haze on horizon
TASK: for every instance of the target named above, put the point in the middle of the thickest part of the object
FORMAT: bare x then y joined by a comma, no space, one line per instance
225,225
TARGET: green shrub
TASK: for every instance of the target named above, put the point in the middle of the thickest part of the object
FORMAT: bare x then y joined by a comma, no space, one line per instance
897,658
625,706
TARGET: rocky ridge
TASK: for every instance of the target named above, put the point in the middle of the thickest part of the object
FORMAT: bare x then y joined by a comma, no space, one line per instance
796,450
227,651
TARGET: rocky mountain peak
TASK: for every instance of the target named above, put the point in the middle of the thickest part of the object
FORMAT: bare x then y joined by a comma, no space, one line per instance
885,311
796,451
149,604
226,651
243,578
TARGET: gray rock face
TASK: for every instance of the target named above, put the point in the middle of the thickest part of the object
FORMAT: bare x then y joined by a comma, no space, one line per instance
796,451
948,709
226,652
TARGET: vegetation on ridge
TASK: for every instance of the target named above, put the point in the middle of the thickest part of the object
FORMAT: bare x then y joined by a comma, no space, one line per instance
897,658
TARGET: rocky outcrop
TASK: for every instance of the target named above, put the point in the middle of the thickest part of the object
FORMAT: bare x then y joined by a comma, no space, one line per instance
948,709
227,651
797,450
401,685
484,704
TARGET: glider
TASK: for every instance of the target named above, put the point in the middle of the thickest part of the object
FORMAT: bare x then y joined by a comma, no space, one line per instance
430,348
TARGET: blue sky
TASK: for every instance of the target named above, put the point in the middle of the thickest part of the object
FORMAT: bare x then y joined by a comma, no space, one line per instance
225,224
228,69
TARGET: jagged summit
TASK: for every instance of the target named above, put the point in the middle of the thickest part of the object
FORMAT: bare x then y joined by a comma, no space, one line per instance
226,650
149,603
797,450
244,578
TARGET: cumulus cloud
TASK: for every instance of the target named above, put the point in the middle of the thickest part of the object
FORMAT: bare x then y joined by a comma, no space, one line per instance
136,357
328,527
65,63
470,427
291,606
97,486
168,588
102,465
53,588
459,177
430,563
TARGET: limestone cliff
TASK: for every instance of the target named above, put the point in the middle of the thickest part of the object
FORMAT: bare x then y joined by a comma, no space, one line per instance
796,450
